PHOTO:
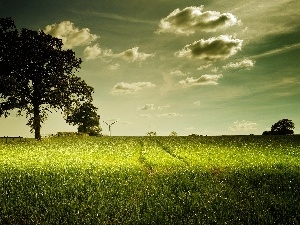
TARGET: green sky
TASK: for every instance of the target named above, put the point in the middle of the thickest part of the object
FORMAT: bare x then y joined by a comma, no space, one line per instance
207,67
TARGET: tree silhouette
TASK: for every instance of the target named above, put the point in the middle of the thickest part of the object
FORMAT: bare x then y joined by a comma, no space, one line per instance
282,127
36,75
151,133
87,119
173,133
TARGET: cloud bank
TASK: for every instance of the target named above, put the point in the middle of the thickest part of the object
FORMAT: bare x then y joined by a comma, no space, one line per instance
192,19
70,35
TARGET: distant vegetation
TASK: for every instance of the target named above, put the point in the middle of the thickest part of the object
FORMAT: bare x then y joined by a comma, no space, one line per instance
151,180
282,127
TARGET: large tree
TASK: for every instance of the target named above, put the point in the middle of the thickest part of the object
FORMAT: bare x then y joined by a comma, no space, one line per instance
37,76
87,119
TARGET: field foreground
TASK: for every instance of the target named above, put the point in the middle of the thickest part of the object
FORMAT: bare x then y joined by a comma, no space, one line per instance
151,180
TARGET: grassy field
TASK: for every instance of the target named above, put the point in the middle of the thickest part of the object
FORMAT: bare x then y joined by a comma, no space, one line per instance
151,180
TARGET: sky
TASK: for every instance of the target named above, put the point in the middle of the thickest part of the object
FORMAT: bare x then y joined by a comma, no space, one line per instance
206,67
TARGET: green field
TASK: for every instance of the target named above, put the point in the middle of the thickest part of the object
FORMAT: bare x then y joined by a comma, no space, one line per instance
151,180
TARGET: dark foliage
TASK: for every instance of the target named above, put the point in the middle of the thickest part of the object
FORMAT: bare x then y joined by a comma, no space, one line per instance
282,127
87,119
37,76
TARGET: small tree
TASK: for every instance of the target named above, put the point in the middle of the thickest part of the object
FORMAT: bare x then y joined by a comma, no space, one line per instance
173,133
151,133
87,119
36,75
282,127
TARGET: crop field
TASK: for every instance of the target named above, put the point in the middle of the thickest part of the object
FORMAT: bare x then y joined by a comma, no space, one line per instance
151,180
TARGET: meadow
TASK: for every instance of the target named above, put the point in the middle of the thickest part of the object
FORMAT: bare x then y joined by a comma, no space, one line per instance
151,180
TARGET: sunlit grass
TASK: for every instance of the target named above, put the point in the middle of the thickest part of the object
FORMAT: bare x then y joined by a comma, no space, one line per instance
151,180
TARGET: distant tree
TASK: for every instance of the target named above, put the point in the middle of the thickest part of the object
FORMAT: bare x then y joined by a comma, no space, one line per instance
36,75
151,133
282,127
87,119
173,133
194,135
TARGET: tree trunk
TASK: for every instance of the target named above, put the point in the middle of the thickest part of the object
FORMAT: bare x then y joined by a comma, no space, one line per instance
37,122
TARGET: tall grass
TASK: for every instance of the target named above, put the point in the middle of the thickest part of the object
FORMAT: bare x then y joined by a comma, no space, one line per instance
151,180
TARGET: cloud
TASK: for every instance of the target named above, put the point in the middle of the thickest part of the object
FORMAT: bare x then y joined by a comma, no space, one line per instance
243,126
215,69
203,80
163,107
190,128
114,66
277,51
192,19
153,107
147,107
130,88
215,48
197,103
92,52
133,55
168,115
177,73
71,36
145,115
244,64
204,67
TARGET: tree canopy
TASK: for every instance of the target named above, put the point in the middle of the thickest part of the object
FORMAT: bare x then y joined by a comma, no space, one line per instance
37,76
282,127
87,119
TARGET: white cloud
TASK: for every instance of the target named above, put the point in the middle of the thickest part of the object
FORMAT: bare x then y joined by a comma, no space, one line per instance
243,126
145,115
163,107
192,19
130,88
177,73
71,36
203,80
244,64
204,67
215,69
133,55
197,103
147,107
168,115
92,52
114,66
190,128
277,51
215,48
153,107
